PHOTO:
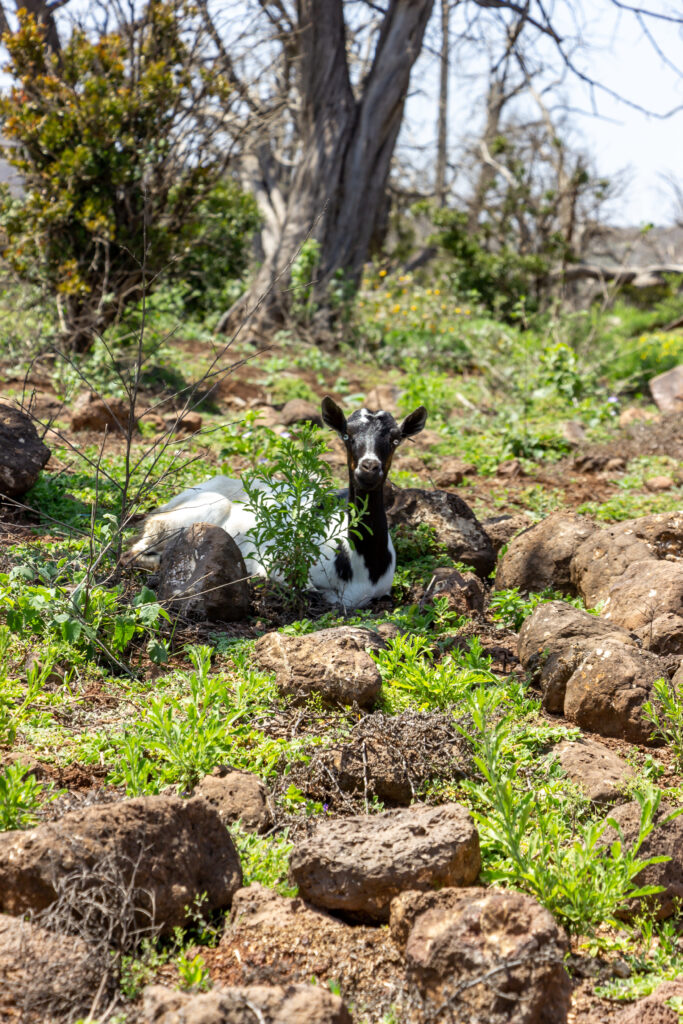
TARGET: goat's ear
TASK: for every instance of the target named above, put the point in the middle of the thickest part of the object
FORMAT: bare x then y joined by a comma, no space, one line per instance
414,422
333,417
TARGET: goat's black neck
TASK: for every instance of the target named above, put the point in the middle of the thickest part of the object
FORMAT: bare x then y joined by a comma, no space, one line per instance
371,535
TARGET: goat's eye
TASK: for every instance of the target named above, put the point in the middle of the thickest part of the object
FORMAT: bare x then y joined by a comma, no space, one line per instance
396,441
345,437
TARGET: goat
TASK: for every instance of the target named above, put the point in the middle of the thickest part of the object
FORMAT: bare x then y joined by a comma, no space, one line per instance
351,570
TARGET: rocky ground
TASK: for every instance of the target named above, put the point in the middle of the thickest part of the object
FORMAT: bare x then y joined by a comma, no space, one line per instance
389,904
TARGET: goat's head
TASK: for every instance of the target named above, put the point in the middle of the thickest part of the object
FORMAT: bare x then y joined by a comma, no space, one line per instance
371,438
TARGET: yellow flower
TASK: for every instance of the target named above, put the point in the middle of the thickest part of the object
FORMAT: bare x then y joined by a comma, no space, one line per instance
428,292
437,291
413,308
382,273
457,309
443,305
467,312
396,308
403,290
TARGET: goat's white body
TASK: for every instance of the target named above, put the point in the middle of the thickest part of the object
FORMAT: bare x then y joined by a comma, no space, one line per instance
223,502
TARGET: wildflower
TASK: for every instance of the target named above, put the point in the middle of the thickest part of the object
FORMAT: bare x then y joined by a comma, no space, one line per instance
428,292
396,308
382,273
413,308
437,291
457,309
467,312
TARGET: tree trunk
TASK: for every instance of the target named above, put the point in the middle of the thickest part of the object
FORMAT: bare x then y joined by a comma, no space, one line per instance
442,124
337,189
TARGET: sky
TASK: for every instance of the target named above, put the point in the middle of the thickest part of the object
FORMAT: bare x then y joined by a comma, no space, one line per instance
621,138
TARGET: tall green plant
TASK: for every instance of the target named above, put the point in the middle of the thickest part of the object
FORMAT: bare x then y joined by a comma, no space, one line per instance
101,138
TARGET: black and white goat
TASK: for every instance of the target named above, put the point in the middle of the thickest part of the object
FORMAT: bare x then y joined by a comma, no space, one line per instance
351,570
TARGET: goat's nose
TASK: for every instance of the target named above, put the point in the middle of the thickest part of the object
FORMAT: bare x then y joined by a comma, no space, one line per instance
370,464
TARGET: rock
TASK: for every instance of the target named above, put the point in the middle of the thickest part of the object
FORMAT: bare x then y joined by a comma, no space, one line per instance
634,414
595,769
608,553
237,796
606,692
267,416
290,1004
202,575
464,593
511,468
573,431
541,556
92,412
45,978
667,390
501,529
22,453
656,484
642,595
357,865
654,1009
168,850
554,640
452,519
499,954
665,840
451,472
189,423
409,464
279,941
332,662
298,410
384,396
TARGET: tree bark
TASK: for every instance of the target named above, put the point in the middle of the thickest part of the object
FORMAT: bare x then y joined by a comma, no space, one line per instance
442,122
337,188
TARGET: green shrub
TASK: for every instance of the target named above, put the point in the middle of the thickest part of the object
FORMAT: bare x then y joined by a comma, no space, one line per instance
100,138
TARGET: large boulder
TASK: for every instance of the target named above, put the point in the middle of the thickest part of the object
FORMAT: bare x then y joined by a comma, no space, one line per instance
541,556
335,663
357,865
276,1004
158,853
600,773
606,555
554,640
237,796
22,453
498,954
274,940
665,840
203,576
93,412
647,599
453,520
607,691
46,977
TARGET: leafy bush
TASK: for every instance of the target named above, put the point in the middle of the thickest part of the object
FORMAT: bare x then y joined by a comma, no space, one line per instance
20,796
100,138
512,608
665,713
296,508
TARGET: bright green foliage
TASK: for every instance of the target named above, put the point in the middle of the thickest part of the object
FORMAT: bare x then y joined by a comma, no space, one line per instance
264,859
654,954
101,138
666,714
194,974
20,796
527,839
412,678
511,608
296,508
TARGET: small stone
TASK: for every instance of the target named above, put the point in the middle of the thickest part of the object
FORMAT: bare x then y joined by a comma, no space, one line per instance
190,423
203,575
384,396
237,796
498,954
599,772
298,410
501,529
268,1004
667,390
356,865
656,484
634,414
450,472
464,593
574,432
22,453
332,662
94,412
